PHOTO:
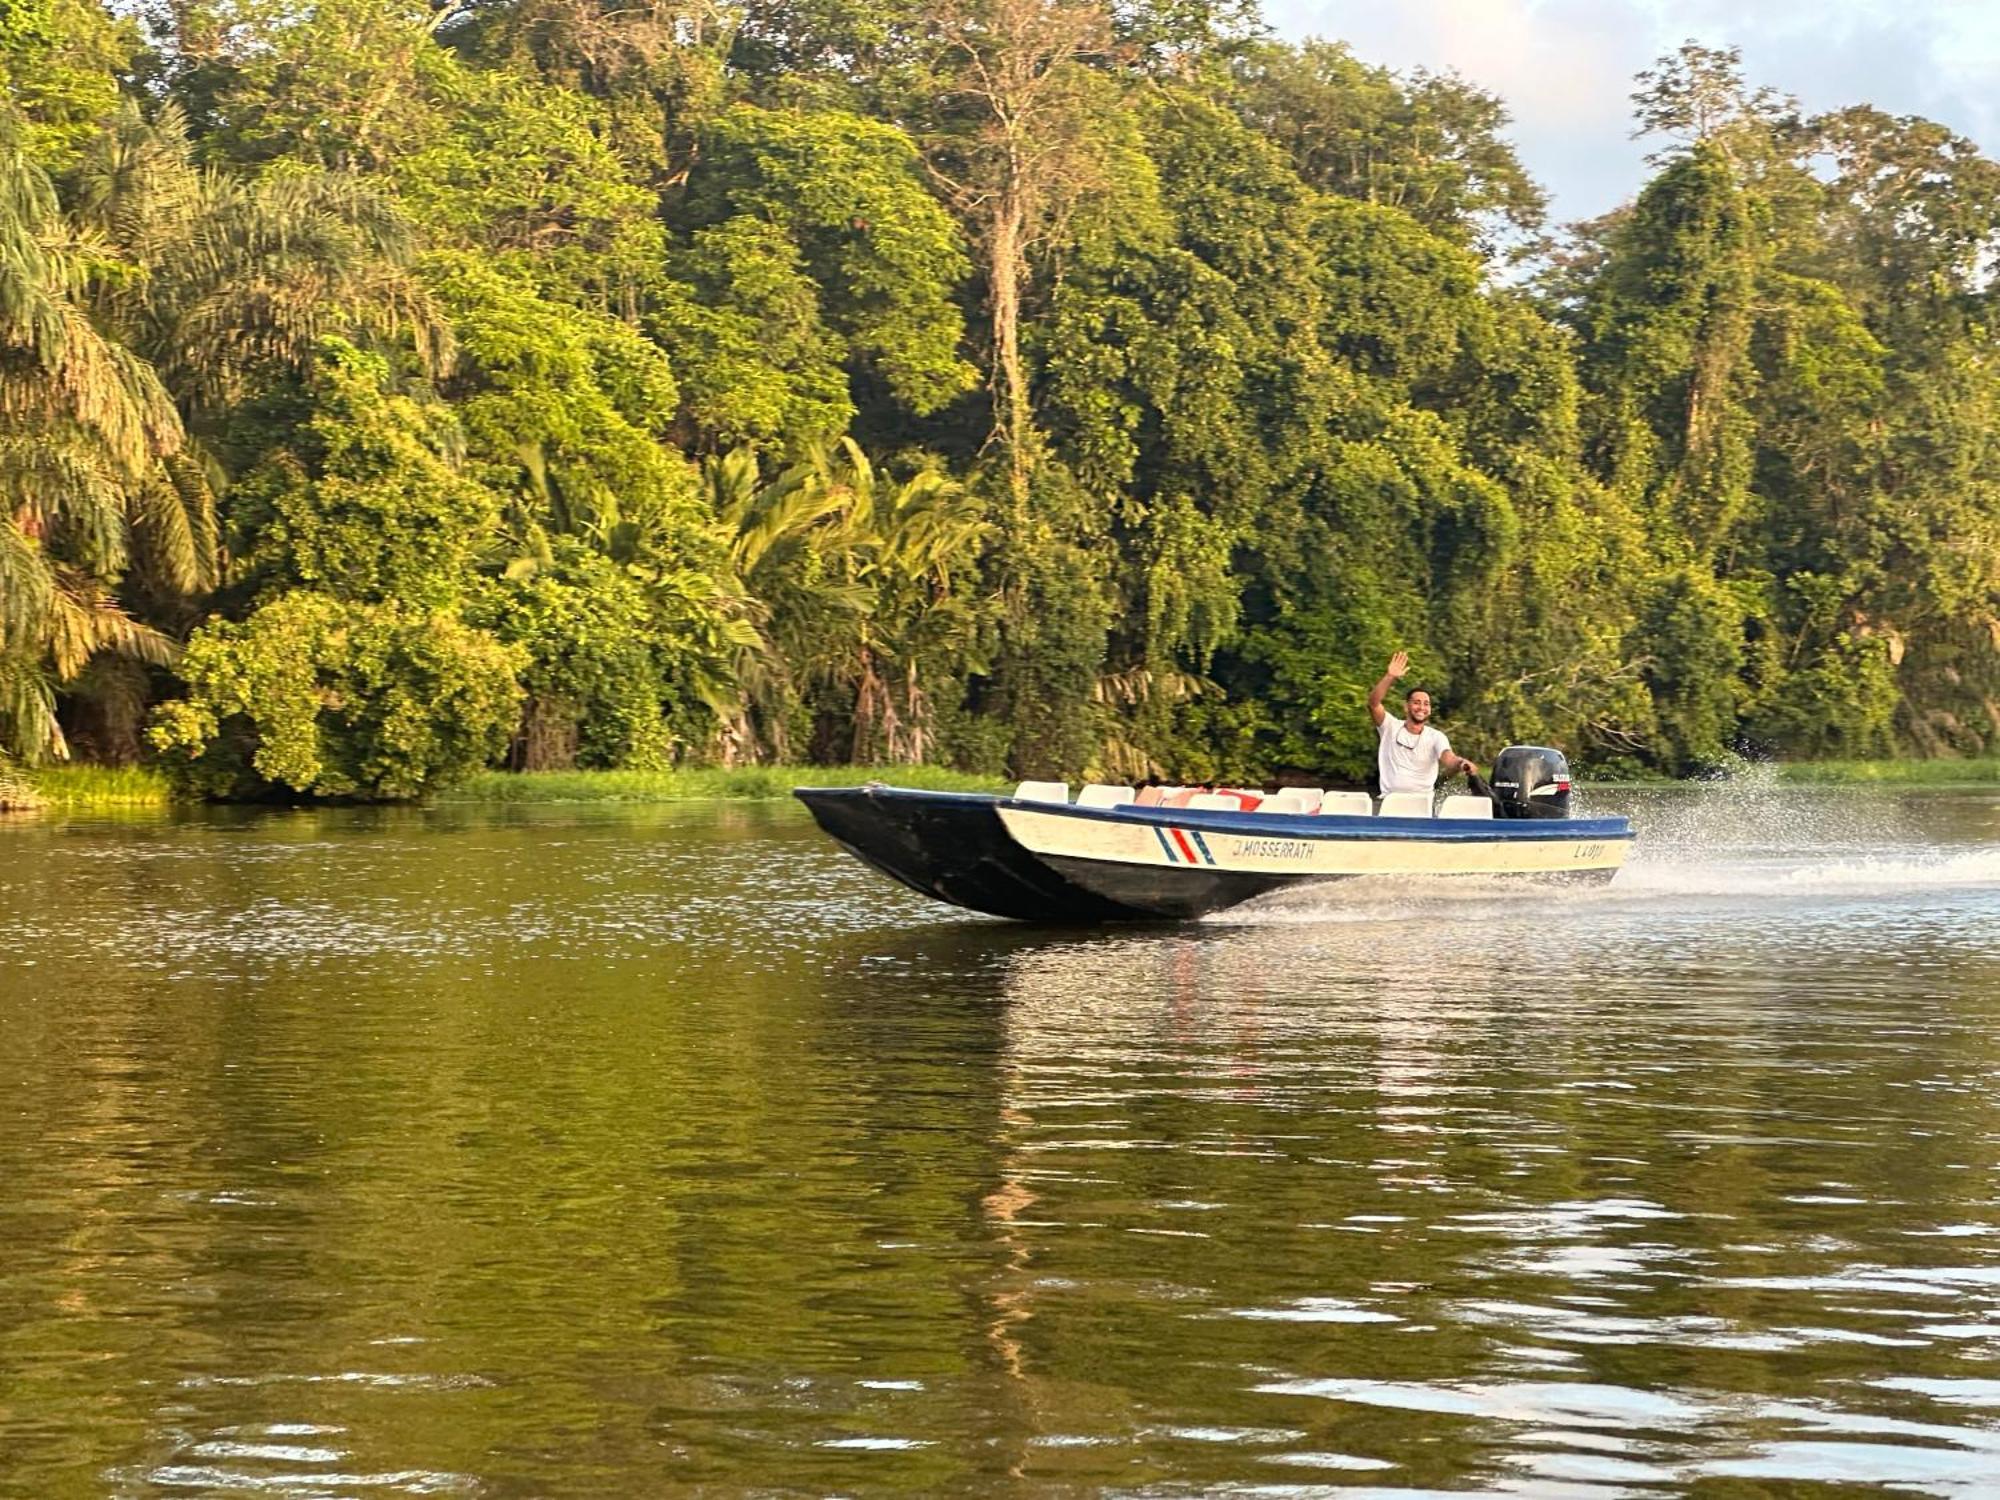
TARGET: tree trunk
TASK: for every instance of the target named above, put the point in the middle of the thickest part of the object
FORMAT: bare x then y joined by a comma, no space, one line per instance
548,736
1013,414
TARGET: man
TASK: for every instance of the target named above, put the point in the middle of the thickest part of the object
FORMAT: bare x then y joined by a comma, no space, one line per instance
1411,752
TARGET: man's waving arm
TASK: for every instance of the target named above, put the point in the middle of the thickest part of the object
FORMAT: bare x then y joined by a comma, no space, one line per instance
1398,665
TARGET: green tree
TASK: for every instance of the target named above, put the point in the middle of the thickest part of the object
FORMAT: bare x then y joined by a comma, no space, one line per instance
1668,325
1429,144
228,284
353,674
566,413
599,682
848,194
63,63
1018,142
362,503
658,68
1912,524
388,350
339,84
316,696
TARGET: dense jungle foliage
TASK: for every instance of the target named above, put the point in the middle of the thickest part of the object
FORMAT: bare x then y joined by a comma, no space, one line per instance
390,389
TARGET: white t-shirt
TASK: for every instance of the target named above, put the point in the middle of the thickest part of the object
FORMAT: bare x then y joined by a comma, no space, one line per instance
1409,762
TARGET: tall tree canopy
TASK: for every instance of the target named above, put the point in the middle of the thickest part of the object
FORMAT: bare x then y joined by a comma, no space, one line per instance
390,387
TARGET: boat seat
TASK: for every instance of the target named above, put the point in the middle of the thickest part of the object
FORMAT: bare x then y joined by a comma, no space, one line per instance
1466,806
1153,796
1246,800
1042,791
1405,805
1351,804
1293,799
1104,796
1214,802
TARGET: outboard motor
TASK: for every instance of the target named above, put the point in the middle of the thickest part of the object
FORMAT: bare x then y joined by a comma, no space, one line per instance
1530,781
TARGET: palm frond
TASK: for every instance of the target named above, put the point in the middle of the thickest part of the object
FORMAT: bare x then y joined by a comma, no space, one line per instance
174,514
27,585
83,620
138,186
28,725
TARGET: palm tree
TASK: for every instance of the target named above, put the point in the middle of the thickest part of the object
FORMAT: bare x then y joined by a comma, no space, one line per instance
921,536
855,583
237,278
127,328
794,596
86,433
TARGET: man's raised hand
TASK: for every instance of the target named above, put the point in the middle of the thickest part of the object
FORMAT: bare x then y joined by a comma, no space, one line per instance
1399,664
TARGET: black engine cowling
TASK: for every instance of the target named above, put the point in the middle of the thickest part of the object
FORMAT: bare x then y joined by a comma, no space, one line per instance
1530,781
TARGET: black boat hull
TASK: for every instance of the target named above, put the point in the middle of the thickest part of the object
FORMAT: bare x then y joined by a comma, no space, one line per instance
957,850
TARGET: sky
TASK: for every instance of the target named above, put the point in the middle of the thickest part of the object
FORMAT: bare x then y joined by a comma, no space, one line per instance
1564,67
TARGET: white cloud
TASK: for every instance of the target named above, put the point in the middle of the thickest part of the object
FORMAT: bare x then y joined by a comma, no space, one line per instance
1564,67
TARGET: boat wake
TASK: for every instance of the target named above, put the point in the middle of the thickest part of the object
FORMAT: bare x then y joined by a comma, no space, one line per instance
1885,873
1740,886
1751,838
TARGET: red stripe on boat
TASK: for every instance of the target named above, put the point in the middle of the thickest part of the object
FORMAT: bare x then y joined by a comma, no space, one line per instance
1187,849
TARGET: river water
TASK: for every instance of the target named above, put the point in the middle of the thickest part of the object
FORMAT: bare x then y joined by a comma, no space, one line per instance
598,1152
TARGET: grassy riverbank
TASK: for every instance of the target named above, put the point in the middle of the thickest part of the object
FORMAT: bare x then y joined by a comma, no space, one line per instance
1892,773
97,788
102,789
700,784
15,793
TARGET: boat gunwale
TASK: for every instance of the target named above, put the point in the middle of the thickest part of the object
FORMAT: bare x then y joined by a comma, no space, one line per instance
1348,826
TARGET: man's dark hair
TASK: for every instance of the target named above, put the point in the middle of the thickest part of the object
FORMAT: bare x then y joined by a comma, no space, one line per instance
1409,693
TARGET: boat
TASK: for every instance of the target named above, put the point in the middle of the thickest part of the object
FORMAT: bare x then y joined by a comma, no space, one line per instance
1172,853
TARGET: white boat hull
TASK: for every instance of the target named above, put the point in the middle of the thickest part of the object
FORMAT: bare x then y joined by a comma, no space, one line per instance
1182,844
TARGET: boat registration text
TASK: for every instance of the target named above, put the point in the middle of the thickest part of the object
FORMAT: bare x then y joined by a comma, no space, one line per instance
1272,849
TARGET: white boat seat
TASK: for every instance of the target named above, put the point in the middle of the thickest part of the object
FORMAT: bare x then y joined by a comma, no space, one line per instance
1293,799
1104,796
1405,805
1350,804
1465,806
1215,802
1042,791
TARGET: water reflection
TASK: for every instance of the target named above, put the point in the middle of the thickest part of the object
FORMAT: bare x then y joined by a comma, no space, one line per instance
1457,1142
628,1153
